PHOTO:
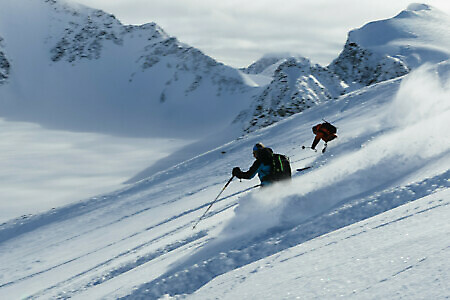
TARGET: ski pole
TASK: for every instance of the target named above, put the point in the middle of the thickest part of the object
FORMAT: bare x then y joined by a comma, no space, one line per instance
213,202
304,147
314,155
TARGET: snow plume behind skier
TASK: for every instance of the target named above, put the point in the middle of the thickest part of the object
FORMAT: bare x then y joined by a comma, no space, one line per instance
424,94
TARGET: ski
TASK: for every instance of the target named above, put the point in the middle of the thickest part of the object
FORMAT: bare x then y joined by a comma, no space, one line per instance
303,169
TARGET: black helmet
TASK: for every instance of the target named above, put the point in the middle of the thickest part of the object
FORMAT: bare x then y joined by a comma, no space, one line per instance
257,147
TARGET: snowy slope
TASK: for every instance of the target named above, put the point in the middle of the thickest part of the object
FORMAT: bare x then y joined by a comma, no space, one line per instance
76,68
138,242
398,254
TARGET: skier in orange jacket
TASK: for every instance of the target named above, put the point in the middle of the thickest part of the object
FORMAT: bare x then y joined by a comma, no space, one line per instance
324,131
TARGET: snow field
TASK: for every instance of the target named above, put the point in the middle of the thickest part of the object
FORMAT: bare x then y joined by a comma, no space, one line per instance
139,242
400,253
378,198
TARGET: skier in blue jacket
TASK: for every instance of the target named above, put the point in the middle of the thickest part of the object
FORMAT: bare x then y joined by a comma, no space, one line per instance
262,165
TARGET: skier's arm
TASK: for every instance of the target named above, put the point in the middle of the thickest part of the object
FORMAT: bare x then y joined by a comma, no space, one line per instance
250,173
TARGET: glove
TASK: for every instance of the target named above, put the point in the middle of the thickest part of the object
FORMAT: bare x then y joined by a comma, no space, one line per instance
236,171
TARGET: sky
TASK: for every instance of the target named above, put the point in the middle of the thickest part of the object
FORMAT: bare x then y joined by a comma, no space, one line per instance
238,33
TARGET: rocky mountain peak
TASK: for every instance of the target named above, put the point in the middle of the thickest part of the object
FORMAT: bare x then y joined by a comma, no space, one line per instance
361,67
297,85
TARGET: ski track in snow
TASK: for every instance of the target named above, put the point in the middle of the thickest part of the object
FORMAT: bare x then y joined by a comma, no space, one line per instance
61,214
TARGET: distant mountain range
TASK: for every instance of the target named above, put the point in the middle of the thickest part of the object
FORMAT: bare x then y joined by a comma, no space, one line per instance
77,68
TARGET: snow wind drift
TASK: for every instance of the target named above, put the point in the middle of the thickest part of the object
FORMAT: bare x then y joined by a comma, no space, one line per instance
424,94
411,135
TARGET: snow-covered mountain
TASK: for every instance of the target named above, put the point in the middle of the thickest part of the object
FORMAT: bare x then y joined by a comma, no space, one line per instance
267,64
359,66
389,48
78,68
297,85
376,52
